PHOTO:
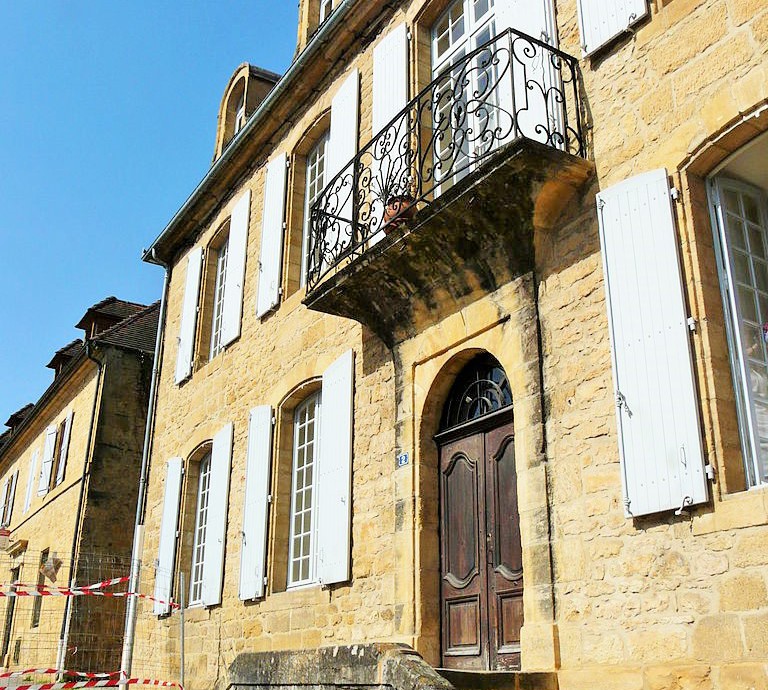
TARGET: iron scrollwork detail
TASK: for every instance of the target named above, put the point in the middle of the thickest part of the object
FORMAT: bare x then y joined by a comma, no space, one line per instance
513,86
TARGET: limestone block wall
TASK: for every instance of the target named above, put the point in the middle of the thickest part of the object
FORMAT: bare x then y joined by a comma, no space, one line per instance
50,521
659,602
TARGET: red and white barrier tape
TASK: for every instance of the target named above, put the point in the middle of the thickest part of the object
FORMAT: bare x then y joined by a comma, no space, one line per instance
43,591
52,590
80,674
107,683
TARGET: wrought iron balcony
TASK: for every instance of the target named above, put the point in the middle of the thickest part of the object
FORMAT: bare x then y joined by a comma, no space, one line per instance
513,87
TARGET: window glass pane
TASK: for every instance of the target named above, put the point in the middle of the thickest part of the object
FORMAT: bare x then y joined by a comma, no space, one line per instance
751,209
732,201
736,232
756,241
481,7
763,311
747,304
761,277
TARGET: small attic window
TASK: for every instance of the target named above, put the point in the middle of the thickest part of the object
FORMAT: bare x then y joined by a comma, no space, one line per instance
326,7
240,113
235,116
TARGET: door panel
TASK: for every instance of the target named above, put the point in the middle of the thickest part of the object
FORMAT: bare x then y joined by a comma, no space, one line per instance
463,566
505,585
481,554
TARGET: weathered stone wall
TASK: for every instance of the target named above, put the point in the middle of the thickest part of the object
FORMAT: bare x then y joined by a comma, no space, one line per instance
661,602
50,520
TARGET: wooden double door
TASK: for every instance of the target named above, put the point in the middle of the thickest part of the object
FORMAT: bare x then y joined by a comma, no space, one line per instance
481,571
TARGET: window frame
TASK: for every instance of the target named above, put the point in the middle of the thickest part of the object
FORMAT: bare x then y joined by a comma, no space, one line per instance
197,560
326,10
755,468
219,261
309,532
317,154
37,604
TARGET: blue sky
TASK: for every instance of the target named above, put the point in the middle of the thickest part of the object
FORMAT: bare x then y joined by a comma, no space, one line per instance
107,122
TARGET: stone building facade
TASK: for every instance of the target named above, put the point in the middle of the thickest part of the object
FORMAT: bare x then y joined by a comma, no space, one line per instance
465,350
69,471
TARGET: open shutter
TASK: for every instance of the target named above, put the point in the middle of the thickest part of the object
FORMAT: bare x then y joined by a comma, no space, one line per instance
256,507
5,493
216,528
390,77
189,315
602,20
31,480
342,145
62,465
235,275
166,557
8,511
334,502
657,413
271,259
45,470
390,170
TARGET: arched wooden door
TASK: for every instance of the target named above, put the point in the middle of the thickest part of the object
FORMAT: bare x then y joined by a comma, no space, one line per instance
481,572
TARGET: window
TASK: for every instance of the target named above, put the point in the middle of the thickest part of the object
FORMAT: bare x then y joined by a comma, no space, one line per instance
201,524
315,183
301,561
9,611
463,27
9,492
240,113
326,7
37,604
220,264
57,448
741,219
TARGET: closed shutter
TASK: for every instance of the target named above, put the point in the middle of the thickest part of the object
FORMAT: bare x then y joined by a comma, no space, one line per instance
62,465
10,498
256,506
271,259
31,480
189,315
45,470
661,453
166,557
602,20
235,276
335,471
216,528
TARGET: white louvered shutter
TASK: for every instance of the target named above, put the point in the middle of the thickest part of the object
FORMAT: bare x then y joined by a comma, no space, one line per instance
533,75
10,498
256,506
657,412
62,466
602,20
334,502
189,315
271,260
31,480
216,527
6,495
390,96
235,274
342,148
166,556
45,469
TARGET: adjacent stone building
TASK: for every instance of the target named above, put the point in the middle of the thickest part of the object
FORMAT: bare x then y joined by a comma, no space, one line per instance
69,472
465,351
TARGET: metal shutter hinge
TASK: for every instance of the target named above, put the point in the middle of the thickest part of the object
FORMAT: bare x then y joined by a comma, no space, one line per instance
674,193
692,324
269,498
709,471
265,581
687,502
274,421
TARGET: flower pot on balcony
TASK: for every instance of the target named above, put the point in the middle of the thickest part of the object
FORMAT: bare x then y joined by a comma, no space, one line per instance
399,208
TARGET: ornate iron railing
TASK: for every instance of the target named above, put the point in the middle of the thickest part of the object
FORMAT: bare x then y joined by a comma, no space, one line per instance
513,86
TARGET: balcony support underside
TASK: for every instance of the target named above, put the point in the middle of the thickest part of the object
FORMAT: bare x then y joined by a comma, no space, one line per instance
461,247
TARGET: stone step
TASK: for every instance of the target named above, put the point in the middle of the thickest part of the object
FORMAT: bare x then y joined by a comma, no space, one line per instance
499,680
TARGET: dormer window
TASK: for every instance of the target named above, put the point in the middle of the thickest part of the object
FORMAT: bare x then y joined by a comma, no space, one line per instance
240,113
326,7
